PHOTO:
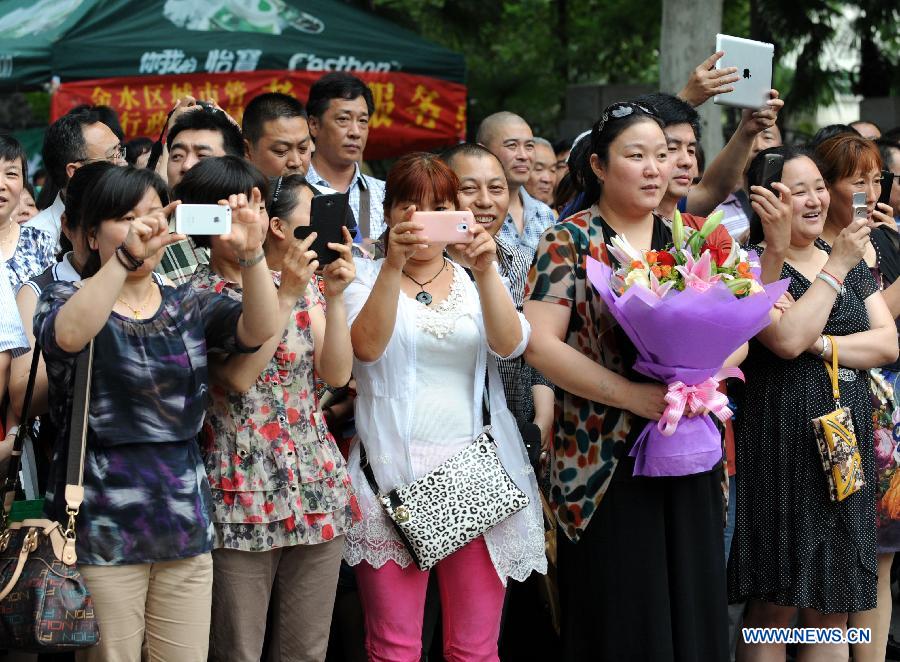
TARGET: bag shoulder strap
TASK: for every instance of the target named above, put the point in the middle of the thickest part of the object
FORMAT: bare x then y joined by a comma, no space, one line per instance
78,428
12,475
832,370
364,205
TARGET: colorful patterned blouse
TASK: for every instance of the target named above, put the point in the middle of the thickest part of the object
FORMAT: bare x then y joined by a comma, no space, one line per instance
146,496
589,437
276,474
35,251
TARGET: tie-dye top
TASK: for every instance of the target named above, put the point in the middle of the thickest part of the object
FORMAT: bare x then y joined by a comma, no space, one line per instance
146,495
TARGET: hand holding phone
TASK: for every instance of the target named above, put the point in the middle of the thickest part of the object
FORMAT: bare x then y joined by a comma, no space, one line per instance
860,208
887,183
203,219
773,165
327,218
446,227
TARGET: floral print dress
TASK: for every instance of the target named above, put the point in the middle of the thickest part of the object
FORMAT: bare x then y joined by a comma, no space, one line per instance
35,251
277,476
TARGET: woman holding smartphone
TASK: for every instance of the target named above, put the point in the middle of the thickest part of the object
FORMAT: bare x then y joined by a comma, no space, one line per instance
796,552
282,498
420,367
144,532
852,165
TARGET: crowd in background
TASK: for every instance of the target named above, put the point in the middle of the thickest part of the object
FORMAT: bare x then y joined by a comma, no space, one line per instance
235,382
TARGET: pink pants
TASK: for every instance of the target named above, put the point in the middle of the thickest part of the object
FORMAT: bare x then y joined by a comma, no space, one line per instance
393,599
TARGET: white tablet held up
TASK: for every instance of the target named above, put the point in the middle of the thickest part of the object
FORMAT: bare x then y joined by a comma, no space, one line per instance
753,60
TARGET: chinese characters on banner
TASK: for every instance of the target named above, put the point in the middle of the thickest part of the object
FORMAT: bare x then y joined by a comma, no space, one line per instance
411,112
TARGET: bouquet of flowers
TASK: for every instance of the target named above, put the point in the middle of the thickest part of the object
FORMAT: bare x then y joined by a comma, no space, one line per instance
686,309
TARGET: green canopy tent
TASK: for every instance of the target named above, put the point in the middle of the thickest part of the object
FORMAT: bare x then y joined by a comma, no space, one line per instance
89,39
139,57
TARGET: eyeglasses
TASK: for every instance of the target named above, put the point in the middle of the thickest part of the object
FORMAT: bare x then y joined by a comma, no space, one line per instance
116,155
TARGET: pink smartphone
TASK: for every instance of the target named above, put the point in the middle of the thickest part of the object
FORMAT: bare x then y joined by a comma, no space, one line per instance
446,227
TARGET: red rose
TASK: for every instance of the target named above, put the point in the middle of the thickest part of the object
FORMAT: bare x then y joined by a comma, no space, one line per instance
665,258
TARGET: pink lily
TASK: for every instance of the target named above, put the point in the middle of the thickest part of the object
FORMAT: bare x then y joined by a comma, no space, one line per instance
660,289
698,274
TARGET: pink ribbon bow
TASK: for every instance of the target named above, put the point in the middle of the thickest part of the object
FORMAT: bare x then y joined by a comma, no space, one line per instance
704,395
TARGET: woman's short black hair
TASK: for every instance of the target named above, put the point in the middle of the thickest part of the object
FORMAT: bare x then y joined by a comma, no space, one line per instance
111,193
755,174
614,120
215,178
12,150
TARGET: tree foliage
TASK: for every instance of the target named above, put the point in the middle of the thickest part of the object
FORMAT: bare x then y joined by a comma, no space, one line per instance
521,54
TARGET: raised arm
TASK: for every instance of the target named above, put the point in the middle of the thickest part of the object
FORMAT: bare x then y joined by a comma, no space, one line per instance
501,320
238,373
726,172
334,350
798,328
259,320
84,315
706,81
775,212
373,327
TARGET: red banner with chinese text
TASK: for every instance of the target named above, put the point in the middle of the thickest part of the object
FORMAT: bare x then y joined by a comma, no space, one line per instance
411,112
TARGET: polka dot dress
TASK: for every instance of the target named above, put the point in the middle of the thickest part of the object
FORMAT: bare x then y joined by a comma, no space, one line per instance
792,545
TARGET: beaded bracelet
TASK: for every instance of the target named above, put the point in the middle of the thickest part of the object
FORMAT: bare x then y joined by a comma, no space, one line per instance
127,260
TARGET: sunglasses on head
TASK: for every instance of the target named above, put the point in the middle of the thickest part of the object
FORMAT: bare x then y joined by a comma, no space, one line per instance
621,110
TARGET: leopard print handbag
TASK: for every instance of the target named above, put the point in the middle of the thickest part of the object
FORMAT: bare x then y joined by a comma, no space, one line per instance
452,505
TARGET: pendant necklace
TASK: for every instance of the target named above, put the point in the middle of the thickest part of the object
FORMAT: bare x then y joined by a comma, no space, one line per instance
423,296
137,312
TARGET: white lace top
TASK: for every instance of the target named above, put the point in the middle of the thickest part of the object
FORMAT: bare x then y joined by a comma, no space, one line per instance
386,418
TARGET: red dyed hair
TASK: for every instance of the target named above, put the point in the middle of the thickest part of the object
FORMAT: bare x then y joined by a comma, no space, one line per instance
420,177
845,155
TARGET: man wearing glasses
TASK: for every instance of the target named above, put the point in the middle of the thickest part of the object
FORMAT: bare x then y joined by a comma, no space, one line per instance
71,141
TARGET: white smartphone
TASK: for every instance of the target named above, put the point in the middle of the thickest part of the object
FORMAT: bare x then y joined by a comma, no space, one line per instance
202,219
753,61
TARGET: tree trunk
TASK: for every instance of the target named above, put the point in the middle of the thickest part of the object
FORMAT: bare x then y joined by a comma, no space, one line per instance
688,37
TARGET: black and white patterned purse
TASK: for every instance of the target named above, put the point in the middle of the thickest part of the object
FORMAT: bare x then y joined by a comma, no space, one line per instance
452,505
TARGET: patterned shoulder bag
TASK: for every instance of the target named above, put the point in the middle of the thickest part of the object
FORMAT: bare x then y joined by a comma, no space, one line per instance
452,505
836,440
45,606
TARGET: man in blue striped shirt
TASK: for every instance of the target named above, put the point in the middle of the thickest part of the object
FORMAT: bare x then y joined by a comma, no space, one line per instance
510,139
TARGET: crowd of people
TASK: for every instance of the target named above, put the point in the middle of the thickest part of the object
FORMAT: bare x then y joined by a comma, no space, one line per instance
241,392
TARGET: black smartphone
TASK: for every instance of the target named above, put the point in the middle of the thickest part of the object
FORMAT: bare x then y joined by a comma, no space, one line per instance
773,164
327,218
887,183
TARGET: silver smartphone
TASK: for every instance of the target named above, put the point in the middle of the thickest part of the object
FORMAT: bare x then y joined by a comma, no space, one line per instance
202,219
860,208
